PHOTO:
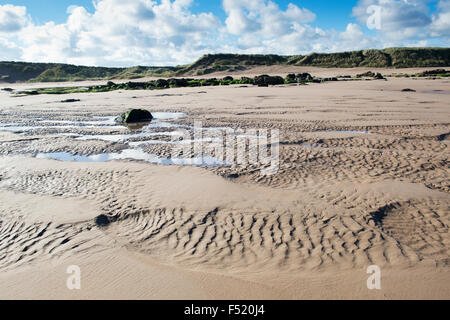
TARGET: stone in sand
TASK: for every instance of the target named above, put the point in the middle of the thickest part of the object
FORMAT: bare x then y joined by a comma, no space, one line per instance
266,80
102,220
135,115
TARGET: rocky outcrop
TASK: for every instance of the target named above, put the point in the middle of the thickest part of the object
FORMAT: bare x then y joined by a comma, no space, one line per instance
266,80
135,115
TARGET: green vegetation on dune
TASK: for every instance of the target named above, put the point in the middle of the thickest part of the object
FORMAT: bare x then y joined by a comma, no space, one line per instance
46,72
387,58
229,62
418,57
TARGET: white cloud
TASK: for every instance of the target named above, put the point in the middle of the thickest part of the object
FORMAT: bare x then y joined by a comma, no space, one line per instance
167,32
440,26
263,16
122,33
399,19
12,18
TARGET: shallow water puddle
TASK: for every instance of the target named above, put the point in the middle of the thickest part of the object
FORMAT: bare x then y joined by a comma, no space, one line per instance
144,133
133,154
437,92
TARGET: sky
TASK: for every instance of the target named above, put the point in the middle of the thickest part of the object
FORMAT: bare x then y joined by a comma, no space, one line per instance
173,32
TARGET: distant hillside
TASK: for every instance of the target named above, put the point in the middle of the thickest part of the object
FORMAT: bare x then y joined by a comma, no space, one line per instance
386,58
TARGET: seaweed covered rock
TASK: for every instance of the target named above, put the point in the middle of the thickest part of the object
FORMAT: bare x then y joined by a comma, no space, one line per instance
378,76
304,77
135,115
290,76
247,80
161,83
368,74
266,80
102,220
174,82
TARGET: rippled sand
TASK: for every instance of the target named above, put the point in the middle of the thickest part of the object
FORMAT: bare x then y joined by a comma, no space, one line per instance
363,180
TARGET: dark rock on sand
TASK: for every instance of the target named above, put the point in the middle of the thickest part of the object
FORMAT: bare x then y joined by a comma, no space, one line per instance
408,90
174,82
135,115
161,83
266,80
70,100
291,77
330,79
102,220
368,74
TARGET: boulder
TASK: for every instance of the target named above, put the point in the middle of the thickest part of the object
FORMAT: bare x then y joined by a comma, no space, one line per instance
304,77
265,80
102,220
173,82
368,74
161,83
247,80
135,115
378,76
290,77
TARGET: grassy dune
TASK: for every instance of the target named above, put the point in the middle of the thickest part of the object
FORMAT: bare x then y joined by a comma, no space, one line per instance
11,72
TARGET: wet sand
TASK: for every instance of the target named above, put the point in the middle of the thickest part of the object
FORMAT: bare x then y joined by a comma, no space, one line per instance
363,180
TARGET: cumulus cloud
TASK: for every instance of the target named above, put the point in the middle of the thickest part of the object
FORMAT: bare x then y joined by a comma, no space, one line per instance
440,26
123,33
265,17
12,18
167,32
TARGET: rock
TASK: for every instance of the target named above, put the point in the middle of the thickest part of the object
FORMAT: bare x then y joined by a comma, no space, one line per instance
368,74
330,79
135,115
161,83
247,80
291,76
304,77
173,82
378,76
102,220
408,90
433,72
70,100
266,80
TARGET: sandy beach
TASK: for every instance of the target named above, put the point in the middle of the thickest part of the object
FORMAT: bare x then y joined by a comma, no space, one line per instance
363,180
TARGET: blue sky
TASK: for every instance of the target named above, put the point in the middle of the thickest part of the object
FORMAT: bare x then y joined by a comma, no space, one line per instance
170,32
333,14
